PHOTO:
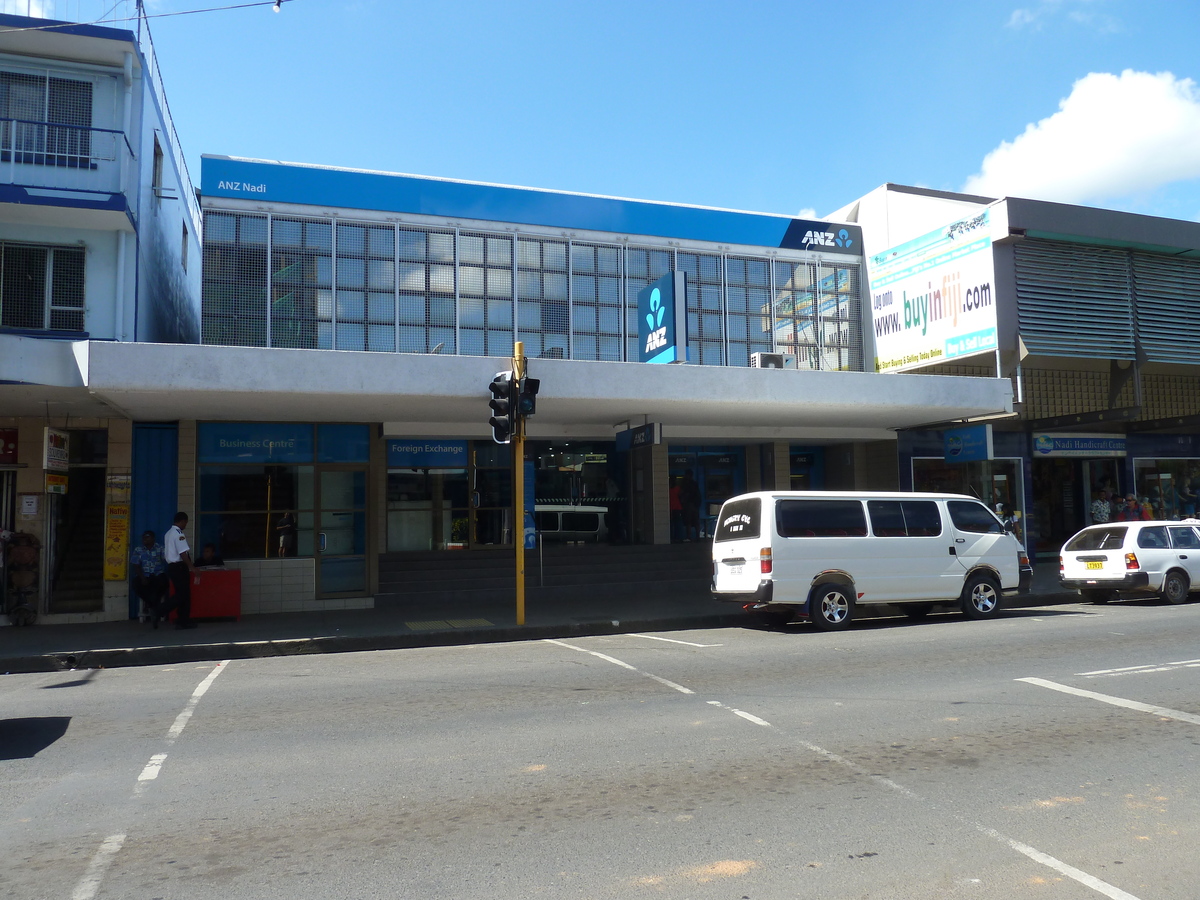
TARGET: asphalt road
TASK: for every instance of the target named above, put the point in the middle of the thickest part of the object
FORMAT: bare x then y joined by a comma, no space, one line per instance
1050,753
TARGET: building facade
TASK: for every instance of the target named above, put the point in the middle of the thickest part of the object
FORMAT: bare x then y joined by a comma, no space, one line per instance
99,243
1091,314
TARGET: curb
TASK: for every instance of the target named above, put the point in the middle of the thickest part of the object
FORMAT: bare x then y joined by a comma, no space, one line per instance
66,660
183,653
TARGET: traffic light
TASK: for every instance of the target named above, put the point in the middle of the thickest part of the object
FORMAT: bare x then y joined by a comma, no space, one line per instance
527,397
504,407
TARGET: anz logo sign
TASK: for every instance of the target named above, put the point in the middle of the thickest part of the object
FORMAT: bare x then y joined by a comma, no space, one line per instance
657,336
839,238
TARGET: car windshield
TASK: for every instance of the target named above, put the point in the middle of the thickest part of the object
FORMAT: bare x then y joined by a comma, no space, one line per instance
1109,538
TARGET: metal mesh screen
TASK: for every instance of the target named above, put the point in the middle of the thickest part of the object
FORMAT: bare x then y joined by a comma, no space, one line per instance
596,326
748,308
47,120
425,277
642,267
234,304
302,283
705,306
485,295
818,314
387,288
543,298
42,287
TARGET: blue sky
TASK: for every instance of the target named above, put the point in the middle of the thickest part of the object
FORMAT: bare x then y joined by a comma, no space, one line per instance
779,107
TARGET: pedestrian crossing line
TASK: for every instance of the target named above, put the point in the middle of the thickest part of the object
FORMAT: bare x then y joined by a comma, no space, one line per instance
1163,711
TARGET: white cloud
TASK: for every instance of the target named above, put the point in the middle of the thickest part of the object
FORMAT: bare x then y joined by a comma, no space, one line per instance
1022,17
807,213
1114,136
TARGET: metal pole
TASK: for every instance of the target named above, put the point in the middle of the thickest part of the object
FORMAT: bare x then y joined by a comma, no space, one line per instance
518,445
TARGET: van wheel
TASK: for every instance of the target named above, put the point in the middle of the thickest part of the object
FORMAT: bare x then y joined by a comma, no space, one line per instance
981,597
830,607
917,610
1175,587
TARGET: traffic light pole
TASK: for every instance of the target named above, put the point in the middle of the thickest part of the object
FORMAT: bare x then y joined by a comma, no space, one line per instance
518,445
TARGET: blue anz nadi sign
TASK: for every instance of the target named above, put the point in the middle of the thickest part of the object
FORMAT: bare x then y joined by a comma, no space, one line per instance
971,443
662,319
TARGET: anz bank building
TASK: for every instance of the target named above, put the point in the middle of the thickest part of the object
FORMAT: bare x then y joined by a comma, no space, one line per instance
352,321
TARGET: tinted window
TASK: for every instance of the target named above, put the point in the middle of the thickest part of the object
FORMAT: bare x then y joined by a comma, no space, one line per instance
1184,538
1153,537
546,521
739,519
900,518
1110,537
969,516
820,518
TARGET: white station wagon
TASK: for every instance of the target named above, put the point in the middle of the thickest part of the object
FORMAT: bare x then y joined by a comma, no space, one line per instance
1106,562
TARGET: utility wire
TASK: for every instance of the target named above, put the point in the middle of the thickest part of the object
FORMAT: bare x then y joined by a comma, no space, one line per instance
146,15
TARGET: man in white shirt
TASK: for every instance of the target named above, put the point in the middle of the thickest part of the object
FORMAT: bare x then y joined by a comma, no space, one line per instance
179,570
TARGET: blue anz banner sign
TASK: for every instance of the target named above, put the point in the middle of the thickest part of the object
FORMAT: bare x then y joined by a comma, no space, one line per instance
275,182
971,443
662,320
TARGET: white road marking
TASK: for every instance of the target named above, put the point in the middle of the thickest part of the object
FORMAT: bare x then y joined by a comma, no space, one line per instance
89,884
182,719
652,637
1143,670
1163,711
624,665
151,771
1090,881
745,715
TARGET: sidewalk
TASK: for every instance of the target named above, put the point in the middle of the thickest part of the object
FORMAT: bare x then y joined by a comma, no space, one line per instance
51,648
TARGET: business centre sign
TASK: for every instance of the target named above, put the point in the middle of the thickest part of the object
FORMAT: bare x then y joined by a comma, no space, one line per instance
933,299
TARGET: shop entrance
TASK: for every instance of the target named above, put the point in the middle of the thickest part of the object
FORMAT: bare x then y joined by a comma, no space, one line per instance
427,509
719,472
341,530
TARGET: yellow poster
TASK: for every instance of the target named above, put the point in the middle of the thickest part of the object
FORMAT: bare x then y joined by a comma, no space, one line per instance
116,541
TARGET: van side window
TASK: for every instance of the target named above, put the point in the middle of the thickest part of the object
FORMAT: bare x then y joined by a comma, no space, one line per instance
904,518
820,518
970,516
739,519
1153,537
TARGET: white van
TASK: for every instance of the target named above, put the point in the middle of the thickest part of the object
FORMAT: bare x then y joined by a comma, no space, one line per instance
821,554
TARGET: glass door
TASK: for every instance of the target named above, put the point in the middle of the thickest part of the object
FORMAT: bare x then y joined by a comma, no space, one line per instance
341,530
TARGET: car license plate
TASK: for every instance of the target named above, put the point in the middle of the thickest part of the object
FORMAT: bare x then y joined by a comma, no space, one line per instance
736,570
1095,565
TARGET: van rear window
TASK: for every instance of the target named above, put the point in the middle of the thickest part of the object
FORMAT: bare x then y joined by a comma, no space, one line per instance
739,520
1111,537
820,518
904,518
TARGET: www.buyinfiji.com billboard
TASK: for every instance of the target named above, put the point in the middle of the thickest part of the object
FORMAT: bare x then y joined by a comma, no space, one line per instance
933,298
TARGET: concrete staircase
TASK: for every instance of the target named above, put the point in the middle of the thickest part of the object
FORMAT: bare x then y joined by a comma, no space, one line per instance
576,571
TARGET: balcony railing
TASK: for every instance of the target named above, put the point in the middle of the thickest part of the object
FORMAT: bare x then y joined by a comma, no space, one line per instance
51,156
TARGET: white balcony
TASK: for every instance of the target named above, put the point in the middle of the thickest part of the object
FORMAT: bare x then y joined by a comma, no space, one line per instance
44,164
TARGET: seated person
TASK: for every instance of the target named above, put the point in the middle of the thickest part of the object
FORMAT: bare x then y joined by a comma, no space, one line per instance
209,558
150,575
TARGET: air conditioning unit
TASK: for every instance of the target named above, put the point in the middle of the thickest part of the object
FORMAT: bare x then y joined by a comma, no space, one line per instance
772,361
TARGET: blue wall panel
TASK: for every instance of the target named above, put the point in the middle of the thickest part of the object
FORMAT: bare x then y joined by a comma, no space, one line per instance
155,494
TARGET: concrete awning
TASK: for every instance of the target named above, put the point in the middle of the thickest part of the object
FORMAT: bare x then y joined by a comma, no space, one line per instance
433,395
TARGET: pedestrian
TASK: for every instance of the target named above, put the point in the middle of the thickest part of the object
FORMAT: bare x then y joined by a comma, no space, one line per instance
689,499
150,576
1101,509
676,512
210,558
1131,511
179,570
286,529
